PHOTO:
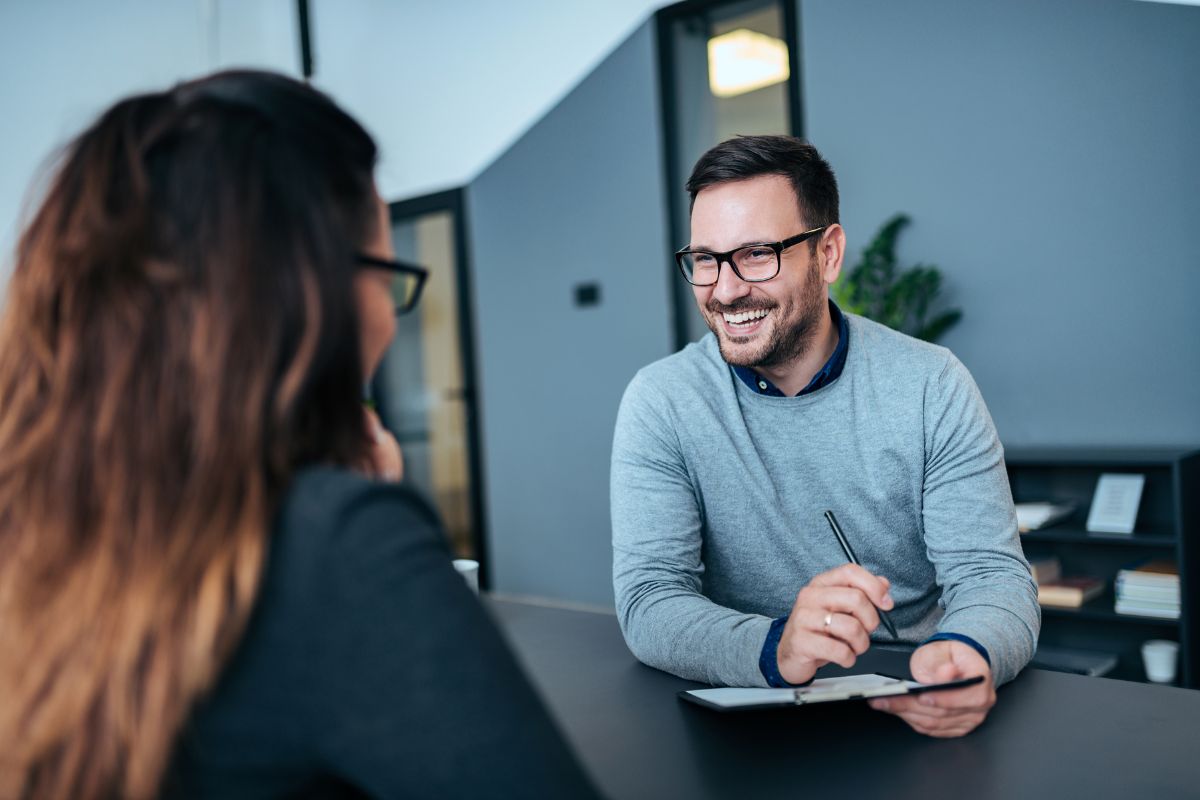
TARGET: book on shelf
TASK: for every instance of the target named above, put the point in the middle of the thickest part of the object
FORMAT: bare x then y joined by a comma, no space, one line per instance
1045,570
1077,662
1069,592
1167,600
1158,594
1033,516
1141,608
1160,572
1149,590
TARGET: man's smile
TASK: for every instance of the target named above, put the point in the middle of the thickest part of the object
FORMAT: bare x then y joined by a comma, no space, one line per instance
745,317
740,324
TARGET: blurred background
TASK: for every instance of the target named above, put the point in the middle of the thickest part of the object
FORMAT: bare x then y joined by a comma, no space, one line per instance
534,154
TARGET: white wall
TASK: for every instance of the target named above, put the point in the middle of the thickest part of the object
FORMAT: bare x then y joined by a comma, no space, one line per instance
444,87
64,61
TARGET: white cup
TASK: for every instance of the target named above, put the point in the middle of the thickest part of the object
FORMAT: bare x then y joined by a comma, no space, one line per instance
1159,657
469,569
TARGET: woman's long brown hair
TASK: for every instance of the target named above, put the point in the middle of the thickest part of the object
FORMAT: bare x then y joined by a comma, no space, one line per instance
179,336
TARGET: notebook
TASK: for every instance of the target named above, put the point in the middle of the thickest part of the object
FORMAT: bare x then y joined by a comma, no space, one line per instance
822,690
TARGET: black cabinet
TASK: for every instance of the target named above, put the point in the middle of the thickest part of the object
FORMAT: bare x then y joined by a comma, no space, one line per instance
1168,527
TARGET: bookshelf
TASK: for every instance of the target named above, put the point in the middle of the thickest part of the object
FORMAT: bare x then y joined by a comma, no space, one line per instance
1168,526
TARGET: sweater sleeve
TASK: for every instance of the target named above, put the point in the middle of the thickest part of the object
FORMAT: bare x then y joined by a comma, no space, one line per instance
421,696
970,527
657,567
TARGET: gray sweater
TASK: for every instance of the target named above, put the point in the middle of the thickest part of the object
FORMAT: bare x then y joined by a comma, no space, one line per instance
718,494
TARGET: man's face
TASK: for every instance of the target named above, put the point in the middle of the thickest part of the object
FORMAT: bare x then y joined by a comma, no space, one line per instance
784,312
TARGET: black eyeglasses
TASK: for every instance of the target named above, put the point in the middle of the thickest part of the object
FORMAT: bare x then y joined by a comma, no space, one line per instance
753,263
407,279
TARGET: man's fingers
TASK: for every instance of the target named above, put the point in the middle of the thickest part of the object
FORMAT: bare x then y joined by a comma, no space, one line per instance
958,701
929,661
945,733
943,726
839,599
946,724
834,651
873,586
843,627
941,672
978,696
821,648
948,671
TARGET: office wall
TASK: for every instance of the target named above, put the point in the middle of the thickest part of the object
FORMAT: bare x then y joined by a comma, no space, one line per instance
578,199
447,87
65,61
444,87
1047,152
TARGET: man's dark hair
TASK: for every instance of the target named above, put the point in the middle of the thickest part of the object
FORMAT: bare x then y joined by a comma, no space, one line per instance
744,157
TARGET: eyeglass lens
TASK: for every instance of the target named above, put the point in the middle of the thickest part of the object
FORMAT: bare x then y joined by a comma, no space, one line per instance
404,291
753,264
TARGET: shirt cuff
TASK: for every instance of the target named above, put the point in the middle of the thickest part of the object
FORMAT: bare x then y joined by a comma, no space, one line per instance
944,637
768,661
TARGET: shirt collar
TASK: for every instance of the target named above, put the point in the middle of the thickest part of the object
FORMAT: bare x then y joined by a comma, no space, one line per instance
825,376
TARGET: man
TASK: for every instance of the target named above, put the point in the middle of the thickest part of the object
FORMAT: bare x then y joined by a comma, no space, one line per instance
728,453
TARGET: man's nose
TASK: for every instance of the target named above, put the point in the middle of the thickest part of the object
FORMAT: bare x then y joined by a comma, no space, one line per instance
729,286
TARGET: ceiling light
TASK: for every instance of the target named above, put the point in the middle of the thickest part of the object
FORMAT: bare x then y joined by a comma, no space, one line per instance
742,60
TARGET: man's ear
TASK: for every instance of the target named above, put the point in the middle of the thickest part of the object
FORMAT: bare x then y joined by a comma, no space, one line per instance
831,250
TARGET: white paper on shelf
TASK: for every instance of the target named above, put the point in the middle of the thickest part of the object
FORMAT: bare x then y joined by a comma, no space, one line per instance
1115,504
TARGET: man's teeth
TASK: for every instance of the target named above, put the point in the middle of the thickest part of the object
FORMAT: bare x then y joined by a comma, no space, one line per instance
745,316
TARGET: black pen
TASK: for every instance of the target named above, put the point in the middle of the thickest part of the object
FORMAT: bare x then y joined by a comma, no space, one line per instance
841,537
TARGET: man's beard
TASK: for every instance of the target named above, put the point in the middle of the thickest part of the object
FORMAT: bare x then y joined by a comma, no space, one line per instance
786,345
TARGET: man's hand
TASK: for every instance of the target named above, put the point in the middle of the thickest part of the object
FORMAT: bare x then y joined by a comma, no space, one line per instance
831,621
949,713
384,460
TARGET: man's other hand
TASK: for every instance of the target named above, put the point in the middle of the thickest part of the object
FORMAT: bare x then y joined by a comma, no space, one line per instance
831,621
949,713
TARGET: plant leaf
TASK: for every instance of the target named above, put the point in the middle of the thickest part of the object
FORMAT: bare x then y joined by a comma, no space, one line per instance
900,299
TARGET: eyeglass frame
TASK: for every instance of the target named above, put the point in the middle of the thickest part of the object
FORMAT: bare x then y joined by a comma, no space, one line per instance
727,257
399,267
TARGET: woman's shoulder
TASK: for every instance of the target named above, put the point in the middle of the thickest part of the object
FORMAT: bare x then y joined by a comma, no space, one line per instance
330,499
334,524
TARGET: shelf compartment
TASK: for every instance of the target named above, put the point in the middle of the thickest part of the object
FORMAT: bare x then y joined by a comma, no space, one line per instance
1101,609
1065,534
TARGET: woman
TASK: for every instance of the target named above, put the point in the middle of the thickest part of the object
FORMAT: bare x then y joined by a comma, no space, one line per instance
199,594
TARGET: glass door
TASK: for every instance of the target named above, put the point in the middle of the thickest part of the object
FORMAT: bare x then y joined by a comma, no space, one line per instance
424,387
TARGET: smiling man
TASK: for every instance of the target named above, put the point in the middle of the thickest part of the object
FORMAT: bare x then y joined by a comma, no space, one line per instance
728,453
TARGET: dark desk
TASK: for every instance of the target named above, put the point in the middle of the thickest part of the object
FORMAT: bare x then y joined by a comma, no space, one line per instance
1050,735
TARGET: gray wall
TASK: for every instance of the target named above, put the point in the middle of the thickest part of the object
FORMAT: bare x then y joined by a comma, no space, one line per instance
1046,151
578,199
1049,155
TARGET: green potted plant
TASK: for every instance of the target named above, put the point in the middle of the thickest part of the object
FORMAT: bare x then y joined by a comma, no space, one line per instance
902,299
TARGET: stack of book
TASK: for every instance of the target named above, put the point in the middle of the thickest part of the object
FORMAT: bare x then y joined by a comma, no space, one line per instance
1055,590
1150,590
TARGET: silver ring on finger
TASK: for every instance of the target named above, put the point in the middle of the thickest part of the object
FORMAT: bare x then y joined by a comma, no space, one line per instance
828,620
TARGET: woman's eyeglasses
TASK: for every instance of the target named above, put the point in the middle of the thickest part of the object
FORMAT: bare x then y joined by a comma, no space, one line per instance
407,279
